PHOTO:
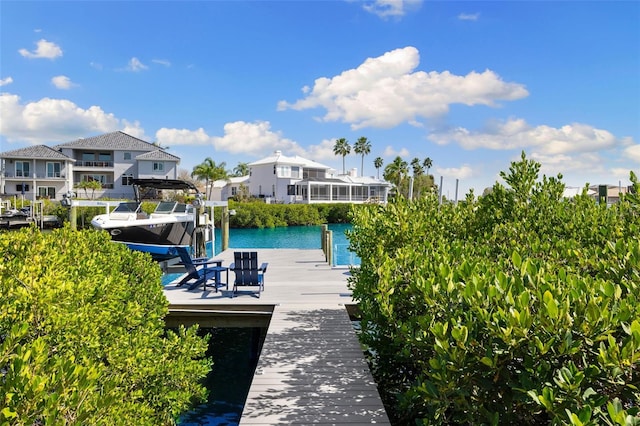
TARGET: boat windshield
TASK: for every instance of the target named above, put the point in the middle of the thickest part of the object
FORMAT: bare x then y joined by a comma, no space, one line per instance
165,207
126,208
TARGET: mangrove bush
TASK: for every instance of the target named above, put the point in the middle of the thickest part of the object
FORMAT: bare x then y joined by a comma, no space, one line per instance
520,307
82,338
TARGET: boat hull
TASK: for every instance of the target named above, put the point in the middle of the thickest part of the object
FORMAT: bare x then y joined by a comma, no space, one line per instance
158,239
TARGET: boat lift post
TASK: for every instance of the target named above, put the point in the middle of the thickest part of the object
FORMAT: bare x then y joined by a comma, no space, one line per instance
209,224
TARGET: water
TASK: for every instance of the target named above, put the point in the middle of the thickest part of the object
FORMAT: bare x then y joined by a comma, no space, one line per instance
301,237
235,353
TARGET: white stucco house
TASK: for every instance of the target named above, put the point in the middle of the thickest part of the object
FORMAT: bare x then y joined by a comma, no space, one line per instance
283,179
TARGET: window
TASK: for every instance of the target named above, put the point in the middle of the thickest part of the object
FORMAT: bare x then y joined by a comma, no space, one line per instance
22,169
234,191
284,171
88,156
22,187
273,190
313,173
291,190
90,178
158,167
47,192
53,170
104,156
295,172
127,156
127,180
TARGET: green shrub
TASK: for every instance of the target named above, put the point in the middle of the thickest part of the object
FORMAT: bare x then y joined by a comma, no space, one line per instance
521,307
82,339
261,215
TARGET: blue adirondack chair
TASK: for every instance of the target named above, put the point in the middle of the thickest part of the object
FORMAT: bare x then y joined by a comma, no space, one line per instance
248,274
200,270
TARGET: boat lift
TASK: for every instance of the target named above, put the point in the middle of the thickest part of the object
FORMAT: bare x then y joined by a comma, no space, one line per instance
204,232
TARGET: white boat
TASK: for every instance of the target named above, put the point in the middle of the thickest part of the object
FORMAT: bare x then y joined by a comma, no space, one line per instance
171,225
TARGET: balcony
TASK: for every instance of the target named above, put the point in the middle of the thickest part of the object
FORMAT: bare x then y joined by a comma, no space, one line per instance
22,176
94,164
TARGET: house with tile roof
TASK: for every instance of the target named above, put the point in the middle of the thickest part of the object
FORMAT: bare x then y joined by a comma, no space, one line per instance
35,172
113,159
283,179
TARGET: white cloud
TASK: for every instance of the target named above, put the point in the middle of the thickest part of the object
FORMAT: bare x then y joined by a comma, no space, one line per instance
462,172
240,137
633,153
161,62
544,140
385,92
322,151
51,120
134,129
390,151
62,82
391,8
44,49
135,65
252,138
175,137
5,81
469,16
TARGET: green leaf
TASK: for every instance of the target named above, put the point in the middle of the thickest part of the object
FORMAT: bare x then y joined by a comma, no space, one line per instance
516,259
550,304
8,414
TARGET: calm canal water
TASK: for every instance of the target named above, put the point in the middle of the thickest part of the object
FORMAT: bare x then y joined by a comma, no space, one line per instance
235,351
302,237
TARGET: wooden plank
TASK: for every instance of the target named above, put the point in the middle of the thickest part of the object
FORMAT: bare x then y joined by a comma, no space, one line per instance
311,369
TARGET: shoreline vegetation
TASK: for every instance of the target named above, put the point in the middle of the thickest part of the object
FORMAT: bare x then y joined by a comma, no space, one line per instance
250,214
520,307
517,307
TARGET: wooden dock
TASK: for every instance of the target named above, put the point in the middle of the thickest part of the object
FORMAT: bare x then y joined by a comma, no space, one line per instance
311,369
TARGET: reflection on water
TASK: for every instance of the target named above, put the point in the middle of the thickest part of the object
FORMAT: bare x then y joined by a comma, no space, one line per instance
235,353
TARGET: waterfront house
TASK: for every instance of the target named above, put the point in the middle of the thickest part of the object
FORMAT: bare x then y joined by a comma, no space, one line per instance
35,172
283,179
609,194
113,159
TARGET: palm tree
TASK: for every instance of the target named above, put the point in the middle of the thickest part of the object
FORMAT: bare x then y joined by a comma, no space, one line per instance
343,148
209,171
242,169
417,167
377,163
396,171
427,163
362,147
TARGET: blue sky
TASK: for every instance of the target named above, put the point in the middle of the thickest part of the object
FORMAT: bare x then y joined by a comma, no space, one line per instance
468,84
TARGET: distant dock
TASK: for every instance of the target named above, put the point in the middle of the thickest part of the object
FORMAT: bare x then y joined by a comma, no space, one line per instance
311,368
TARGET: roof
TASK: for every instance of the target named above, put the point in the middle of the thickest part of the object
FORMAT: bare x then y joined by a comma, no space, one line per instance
158,154
36,151
278,158
112,141
345,180
221,183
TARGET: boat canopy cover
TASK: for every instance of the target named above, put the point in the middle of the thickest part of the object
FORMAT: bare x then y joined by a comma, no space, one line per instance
147,188
165,184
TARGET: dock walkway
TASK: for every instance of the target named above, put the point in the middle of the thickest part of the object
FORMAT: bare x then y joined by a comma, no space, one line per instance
311,369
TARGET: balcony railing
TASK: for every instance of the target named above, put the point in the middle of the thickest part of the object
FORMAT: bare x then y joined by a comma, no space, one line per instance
100,164
20,175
